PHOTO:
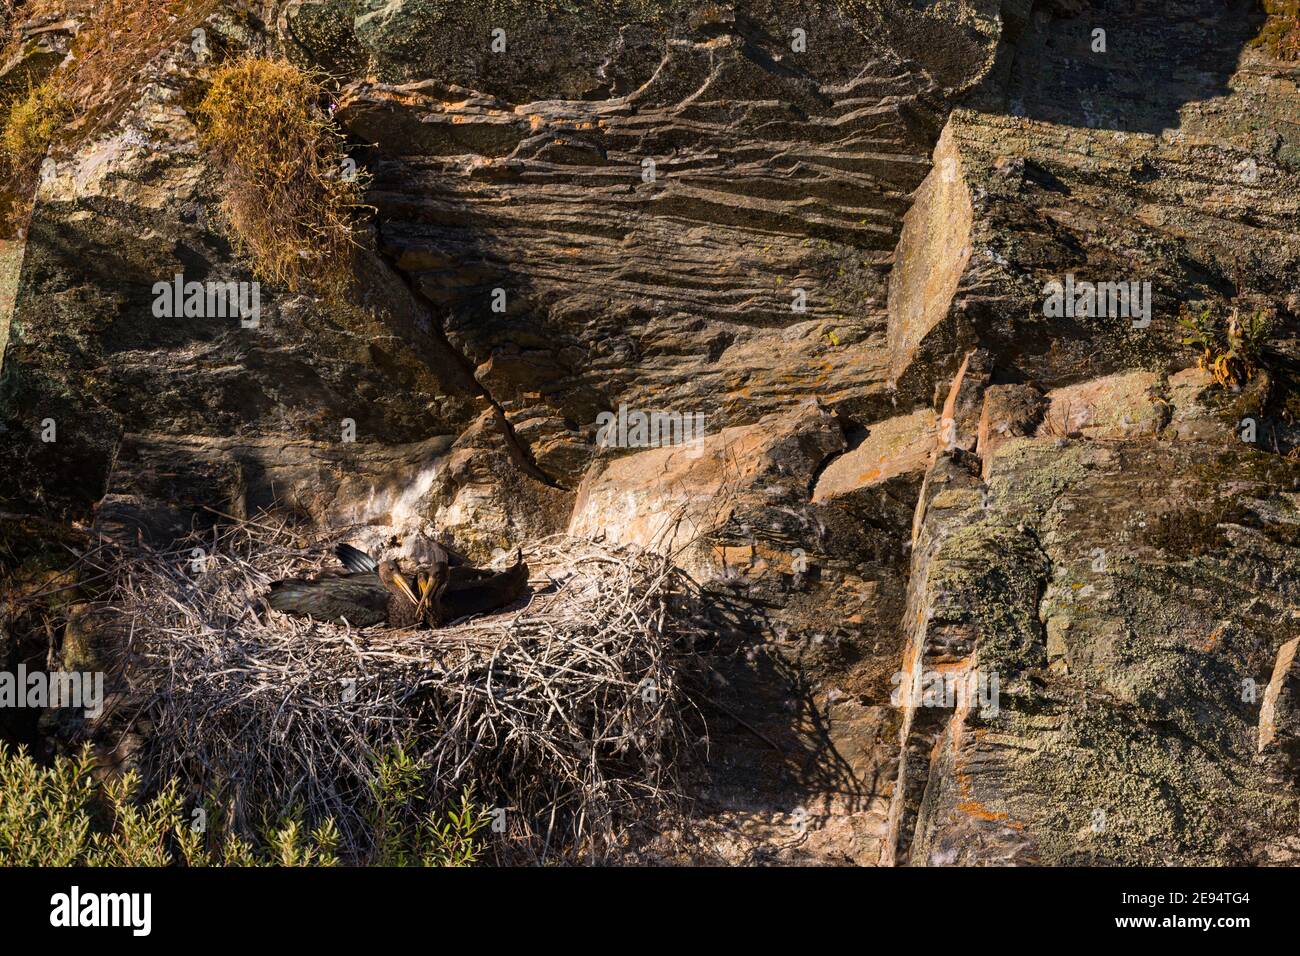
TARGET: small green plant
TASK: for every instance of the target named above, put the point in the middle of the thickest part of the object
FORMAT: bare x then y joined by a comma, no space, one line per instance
291,197
59,816
407,832
1230,344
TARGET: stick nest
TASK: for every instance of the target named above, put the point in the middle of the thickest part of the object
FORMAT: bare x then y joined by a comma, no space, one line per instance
567,714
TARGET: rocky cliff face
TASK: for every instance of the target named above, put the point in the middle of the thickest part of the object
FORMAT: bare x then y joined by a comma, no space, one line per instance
823,233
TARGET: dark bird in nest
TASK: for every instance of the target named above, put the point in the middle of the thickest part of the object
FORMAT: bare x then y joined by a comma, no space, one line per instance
379,592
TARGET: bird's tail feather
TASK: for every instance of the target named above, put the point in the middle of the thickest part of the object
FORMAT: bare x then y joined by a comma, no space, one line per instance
355,559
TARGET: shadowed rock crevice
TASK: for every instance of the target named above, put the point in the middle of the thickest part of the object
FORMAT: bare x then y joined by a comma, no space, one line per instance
518,451
1159,57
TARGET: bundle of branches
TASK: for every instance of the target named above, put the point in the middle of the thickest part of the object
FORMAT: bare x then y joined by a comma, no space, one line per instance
565,716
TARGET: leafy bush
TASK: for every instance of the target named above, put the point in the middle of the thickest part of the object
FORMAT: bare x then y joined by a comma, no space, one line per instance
59,816
407,834
289,204
1230,344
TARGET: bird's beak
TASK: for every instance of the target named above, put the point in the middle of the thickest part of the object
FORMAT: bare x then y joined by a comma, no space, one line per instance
405,587
425,583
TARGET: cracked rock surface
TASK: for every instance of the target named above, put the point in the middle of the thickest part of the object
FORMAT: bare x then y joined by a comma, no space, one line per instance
826,228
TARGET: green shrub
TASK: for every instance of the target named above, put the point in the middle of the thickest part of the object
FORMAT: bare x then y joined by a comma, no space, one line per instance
59,816
407,832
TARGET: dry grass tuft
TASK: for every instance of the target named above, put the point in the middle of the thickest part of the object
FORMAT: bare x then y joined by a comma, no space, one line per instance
117,41
1063,421
289,205
120,38
567,714
33,122
6,20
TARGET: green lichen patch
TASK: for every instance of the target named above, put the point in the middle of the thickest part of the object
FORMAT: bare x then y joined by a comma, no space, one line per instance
1111,788
1281,33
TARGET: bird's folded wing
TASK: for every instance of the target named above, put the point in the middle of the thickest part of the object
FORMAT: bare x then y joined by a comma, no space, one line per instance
486,594
361,603
464,577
